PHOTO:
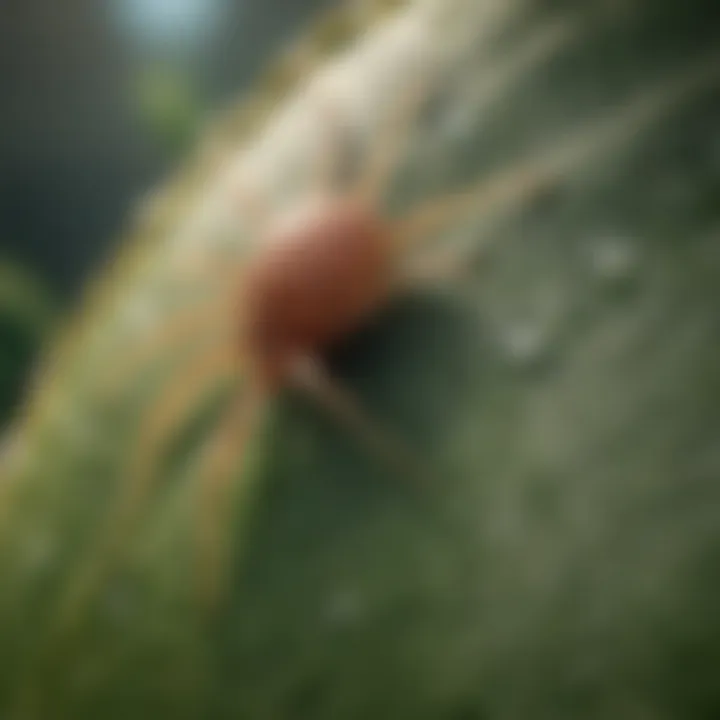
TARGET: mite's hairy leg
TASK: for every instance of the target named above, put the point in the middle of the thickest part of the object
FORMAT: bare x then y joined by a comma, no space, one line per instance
217,500
326,164
384,156
310,377
433,268
246,207
523,180
170,409
207,315
440,265
189,324
509,188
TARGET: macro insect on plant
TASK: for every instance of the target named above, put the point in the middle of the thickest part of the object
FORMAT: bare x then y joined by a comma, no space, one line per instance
321,268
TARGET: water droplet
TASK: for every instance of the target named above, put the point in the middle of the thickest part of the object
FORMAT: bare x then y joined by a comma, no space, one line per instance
524,340
526,331
613,257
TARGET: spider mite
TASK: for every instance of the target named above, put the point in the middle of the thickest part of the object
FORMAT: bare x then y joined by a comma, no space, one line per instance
320,270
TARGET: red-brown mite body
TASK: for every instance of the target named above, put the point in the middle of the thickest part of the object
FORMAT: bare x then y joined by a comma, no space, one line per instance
319,272
322,271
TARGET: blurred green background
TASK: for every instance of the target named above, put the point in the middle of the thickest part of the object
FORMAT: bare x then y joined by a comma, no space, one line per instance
94,96
99,100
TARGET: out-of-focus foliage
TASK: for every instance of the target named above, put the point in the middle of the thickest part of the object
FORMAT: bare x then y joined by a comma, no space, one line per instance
26,316
168,106
565,563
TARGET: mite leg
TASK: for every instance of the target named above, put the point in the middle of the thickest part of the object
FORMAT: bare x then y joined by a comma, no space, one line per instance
191,324
217,503
524,181
311,378
327,163
512,187
384,157
170,409
246,208
439,265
